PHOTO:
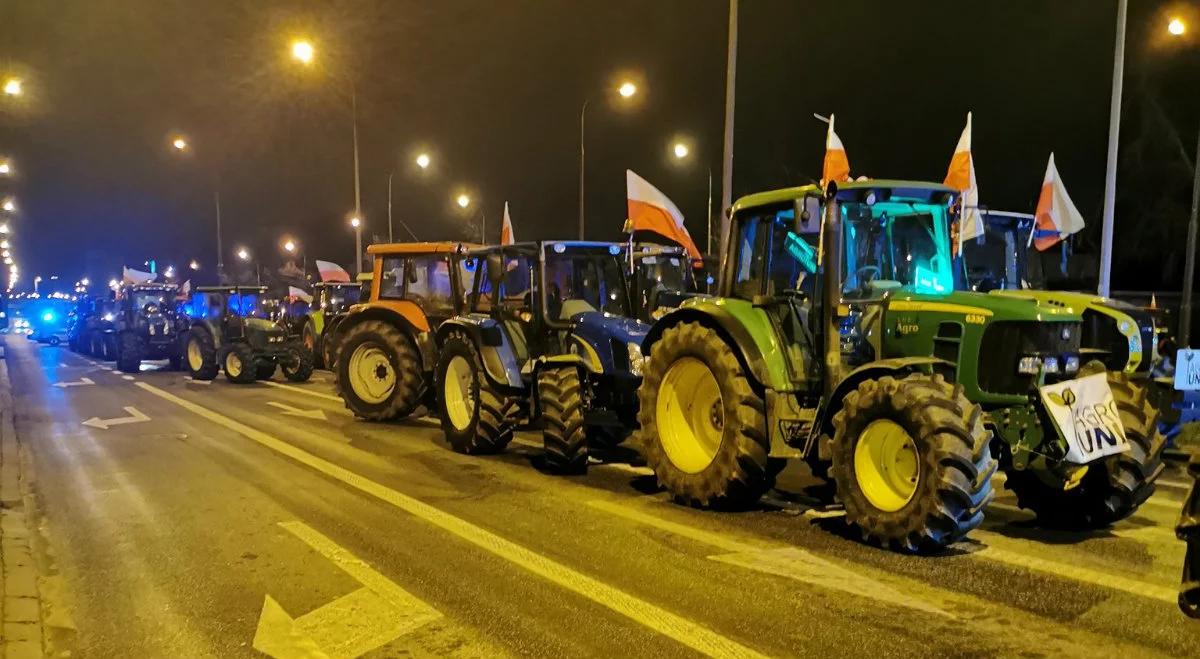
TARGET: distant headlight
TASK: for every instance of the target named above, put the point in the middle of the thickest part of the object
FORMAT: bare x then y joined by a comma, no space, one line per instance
636,360
108,317
1050,364
1029,365
1071,364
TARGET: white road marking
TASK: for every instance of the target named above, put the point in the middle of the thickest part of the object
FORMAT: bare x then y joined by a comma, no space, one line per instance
785,561
691,634
353,624
1175,485
115,371
303,391
104,424
127,377
296,411
191,380
83,382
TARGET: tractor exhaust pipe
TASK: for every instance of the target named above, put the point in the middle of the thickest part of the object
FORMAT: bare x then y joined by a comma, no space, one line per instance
831,248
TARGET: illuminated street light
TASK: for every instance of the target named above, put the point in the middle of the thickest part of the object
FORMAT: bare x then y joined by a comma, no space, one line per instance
355,222
5,167
7,261
113,283
463,201
169,272
85,282
243,254
6,253
303,51
289,246
627,89
4,244
179,143
423,161
4,228
681,150
9,205
13,87
194,265
1177,27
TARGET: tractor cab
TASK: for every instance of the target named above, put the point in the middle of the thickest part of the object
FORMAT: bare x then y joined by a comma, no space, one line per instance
660,278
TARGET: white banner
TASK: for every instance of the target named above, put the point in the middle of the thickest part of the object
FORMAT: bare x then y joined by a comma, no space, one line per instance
1085,412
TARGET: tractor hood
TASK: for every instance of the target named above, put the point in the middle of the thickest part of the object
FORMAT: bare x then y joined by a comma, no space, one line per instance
263,325
601,325
993,307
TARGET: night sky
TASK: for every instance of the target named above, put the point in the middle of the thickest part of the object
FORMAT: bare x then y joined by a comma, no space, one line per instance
493,90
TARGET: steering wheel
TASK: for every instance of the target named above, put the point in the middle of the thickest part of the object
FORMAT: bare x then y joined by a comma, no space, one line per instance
862,273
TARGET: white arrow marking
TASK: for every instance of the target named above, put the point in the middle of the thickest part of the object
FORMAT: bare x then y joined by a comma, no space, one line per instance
349,626
104,424
83,382
296,411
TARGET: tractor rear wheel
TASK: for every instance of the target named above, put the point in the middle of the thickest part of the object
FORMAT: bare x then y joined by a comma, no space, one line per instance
1112,488
109,347
298,366
911,462
379,376
475,417
201,354
129,353
239,364
704,429
563,434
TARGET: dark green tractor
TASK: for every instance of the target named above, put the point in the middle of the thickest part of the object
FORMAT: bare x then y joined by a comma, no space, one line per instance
233,329
147,326
837,338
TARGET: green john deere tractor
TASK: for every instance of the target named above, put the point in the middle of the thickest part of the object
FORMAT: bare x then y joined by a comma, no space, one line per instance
231,329
836,338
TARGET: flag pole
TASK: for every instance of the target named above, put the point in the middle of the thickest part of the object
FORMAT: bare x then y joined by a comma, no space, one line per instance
1114,132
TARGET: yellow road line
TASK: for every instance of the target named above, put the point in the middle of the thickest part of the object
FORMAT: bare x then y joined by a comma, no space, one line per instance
693,635
303,391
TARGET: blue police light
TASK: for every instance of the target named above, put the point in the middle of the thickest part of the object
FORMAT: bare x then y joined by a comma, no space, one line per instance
614,249
48,317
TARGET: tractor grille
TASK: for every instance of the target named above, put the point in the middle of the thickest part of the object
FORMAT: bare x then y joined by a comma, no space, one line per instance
1005,342
1100,331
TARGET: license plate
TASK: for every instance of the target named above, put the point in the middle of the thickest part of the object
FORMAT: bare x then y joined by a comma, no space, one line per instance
1187,370
1086,415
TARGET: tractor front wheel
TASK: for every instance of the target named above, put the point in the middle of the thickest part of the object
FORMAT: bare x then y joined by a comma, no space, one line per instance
911,462
129,353
1112,488
240,367
201,354
379,374
563,435
475,417
298,366
703,428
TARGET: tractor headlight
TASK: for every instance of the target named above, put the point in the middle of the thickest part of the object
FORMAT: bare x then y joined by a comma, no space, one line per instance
636,360
1071,364
108,317
1029,365
1050,365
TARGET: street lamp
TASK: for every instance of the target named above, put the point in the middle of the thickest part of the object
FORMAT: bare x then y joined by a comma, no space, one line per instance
85,282
13,87
4,244
179,143
462,200
9,205
194,265
4,228
625,90
303,51
289,246
1177,27
5,167
243,254
169,273
423,161
182,145
680,150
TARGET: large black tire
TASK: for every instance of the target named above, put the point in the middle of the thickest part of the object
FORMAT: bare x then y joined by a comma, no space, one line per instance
737,473
387,382
1112,488
328,345
563,434
476,418
311,341
129,353
200,354
950,453
264,369
110,347
298,367
239,364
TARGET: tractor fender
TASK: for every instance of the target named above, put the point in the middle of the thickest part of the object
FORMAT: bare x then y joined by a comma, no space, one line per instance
730,329
499,358
898,366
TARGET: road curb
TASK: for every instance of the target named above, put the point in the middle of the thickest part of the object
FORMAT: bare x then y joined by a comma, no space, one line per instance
21,606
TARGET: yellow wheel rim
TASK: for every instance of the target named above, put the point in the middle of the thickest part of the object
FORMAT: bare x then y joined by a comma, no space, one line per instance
690,415
371,374
458,393
886,465
233,365
195,357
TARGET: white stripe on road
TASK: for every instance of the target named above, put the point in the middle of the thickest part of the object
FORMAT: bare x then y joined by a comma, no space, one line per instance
693,635
303,391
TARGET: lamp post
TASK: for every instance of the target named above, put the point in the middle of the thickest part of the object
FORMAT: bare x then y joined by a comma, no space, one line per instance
1177,28
1114,132
423,161
682,152
626,90
183,146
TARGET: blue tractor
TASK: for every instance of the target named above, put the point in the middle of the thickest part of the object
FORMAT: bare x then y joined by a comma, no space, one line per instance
548,335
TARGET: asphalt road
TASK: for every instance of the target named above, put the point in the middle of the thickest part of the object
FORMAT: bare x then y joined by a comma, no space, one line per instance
221,520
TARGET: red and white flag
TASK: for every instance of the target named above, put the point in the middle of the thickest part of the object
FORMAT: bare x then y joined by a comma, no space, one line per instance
331,271
185,290
131,276
651,210
299,294
961,177
837,163
506,230
1056,214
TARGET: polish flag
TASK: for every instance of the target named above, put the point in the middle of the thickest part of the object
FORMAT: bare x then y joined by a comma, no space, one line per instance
131,276
185,290
837,164
651,210
331,271
1056,214
506,230
961,177
299,294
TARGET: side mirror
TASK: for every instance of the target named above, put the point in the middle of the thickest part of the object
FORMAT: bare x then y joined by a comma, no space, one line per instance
495,269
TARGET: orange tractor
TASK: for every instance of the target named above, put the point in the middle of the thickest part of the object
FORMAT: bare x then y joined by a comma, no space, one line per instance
386,348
